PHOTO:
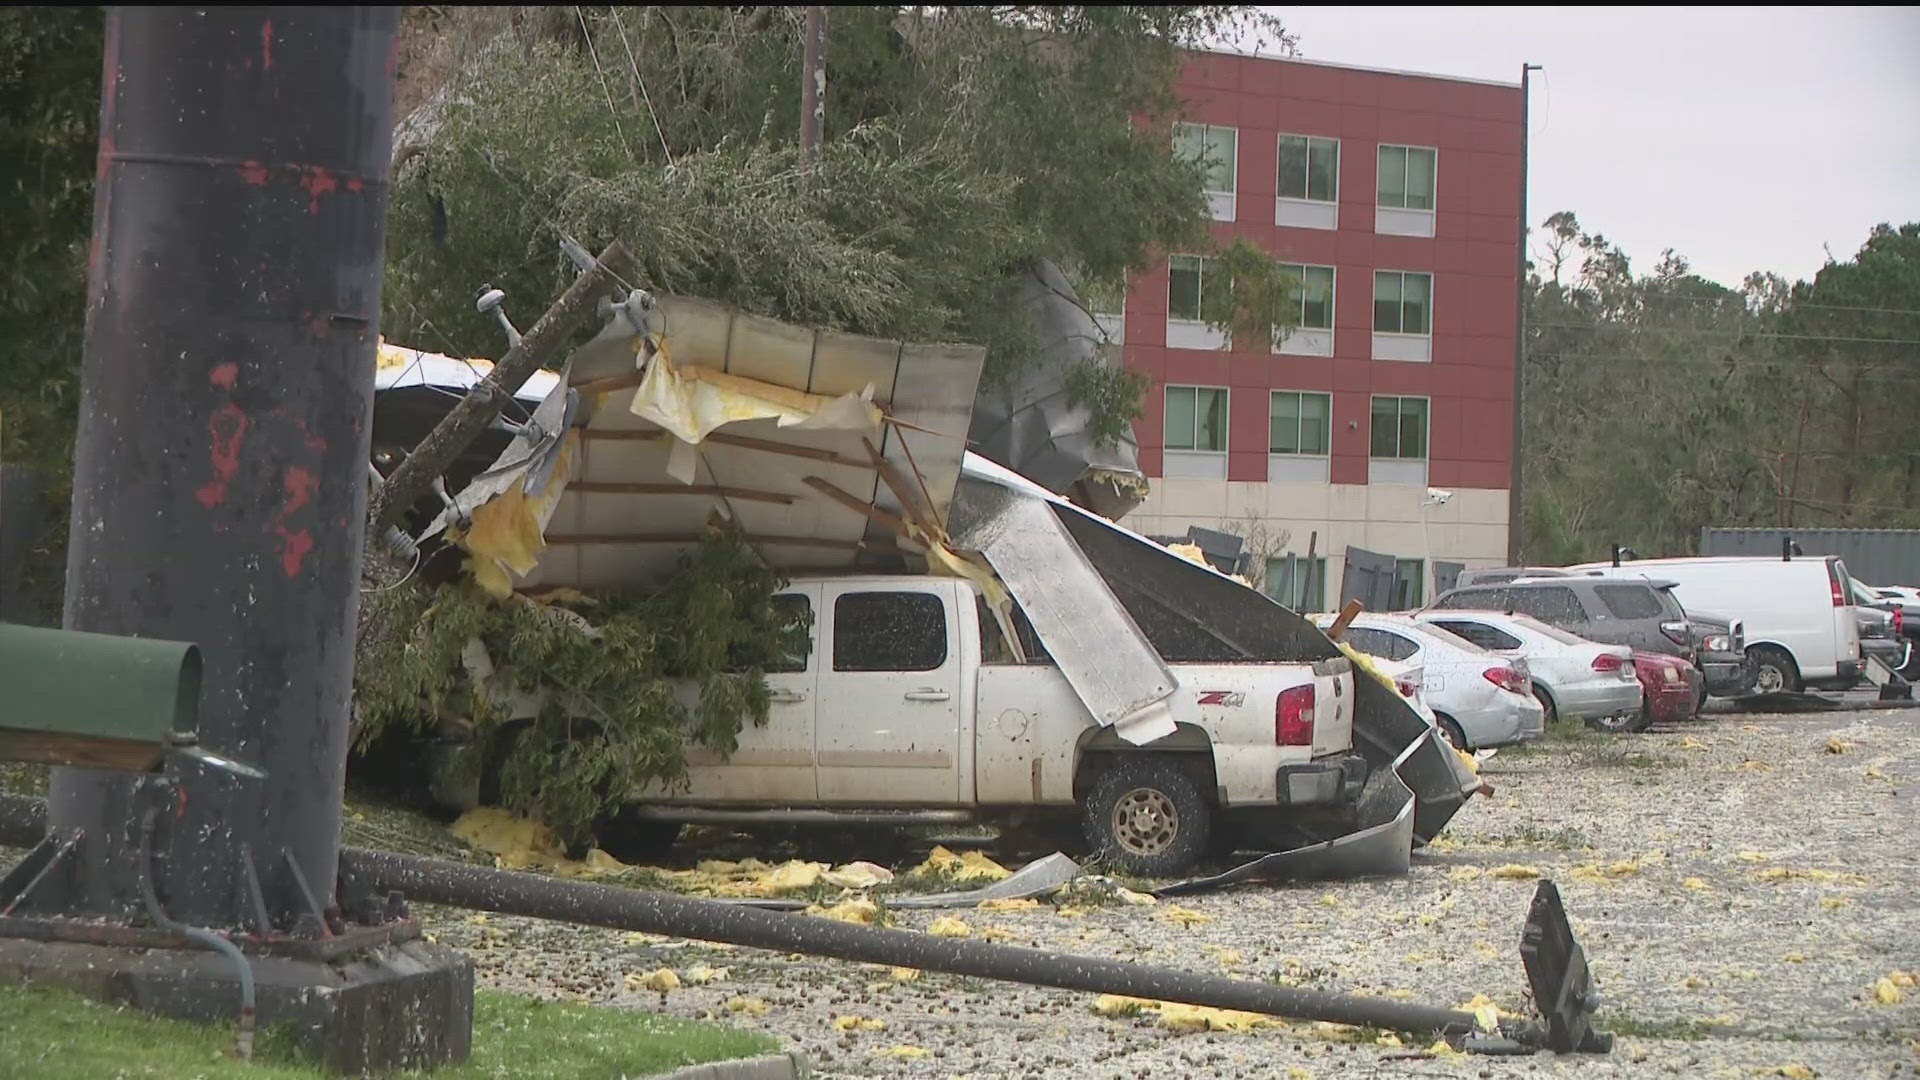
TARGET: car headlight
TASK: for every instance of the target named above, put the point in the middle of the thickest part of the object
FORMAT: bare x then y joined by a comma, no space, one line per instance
1719,643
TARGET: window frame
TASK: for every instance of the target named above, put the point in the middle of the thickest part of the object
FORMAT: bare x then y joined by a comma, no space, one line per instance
1333,286
1299,421
1199,318
1311,573
1426,427
1400,305
1307,177
1417,594
1406,170
1232,160
1226,418
939,605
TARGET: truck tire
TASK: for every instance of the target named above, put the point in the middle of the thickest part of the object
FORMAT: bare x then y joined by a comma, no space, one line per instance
1146,815
634,839
1773,670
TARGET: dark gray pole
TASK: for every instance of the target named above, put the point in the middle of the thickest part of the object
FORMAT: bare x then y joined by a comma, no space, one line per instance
1516,505
221,463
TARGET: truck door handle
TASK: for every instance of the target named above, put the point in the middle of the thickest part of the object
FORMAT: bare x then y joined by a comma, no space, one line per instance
927,693
786,697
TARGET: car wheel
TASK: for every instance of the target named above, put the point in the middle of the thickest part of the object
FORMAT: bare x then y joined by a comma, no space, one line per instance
1773,671
1147,816
1451,729
634,839
1546,705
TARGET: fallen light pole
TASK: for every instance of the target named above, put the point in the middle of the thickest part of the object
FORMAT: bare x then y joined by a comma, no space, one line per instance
218,498
1556,968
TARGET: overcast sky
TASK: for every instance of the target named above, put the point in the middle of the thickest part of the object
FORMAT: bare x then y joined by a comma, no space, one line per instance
1743,138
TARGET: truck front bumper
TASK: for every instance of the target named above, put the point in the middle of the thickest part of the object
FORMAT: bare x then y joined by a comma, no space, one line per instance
1327,782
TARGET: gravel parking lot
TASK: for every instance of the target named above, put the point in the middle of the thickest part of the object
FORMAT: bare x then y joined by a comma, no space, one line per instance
1742,884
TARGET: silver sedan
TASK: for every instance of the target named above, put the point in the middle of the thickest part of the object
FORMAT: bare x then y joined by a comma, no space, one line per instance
1573,677
1479,699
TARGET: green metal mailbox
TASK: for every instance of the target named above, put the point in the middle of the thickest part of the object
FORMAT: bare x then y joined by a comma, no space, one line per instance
95,700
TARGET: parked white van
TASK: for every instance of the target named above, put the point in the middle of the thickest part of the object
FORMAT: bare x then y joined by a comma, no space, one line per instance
1800,626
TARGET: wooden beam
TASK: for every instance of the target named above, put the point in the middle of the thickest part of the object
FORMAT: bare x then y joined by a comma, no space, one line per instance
624,381
1347,614
896,483
598,487
892,521
624,539
745,442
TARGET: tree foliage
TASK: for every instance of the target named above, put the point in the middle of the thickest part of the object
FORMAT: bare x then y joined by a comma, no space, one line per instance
1659,404
957,146
611,715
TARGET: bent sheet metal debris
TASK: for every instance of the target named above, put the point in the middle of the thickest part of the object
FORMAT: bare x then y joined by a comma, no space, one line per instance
834,451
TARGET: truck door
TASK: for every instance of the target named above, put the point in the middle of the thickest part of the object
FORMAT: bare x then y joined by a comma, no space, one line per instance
888,726
772,763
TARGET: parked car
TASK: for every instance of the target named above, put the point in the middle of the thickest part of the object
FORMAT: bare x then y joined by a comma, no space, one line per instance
1715,643
1799,620
1479,700
1572,677
1880,622
1906,600
1671,686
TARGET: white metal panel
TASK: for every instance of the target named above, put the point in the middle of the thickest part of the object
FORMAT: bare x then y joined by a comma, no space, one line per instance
1306,213
1391,221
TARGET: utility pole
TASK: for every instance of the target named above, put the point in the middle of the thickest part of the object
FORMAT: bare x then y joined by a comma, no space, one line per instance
220,485
813,87
1516,504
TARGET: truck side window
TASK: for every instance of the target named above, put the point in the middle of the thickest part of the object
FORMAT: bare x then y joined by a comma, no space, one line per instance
1487,637
993,644
1629,601
1555,604
794,612
889,631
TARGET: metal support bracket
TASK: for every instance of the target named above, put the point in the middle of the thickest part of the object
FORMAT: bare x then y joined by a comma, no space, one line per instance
1563,988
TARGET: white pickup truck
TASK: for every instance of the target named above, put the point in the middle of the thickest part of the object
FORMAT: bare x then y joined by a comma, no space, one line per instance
909,706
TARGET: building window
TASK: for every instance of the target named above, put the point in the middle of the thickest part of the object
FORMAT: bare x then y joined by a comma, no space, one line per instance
1296,582
1402,302
1400,428
1315,291
1194,291
1298,423
1406,177
1214,148
1309,168
1408,592
1197,418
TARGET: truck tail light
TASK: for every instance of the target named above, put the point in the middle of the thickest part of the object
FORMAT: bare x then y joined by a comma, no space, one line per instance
1406,685
1293,717
1507,679
1899,620
1607,662
1676,632
1833,582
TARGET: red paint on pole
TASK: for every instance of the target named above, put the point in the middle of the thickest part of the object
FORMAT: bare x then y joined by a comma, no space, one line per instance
254,173
266,45
224,375
225,430
300,485
318,182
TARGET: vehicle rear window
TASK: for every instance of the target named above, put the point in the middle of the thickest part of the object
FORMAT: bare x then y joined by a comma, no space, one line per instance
1550,631
1474,599
1549,603
1487,637
1629,601
889,631
1380,643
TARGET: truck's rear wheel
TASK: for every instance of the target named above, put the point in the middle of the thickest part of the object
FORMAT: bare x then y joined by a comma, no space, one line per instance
1773,670
1147,816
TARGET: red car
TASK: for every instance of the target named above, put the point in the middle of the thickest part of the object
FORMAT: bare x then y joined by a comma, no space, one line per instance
1669,687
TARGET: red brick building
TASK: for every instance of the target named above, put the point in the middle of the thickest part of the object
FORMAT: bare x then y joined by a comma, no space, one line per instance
1398,196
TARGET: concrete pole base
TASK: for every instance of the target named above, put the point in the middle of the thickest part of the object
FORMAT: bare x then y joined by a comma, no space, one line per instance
399,1006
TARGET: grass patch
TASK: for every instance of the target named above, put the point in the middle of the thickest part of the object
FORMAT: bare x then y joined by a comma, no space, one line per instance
53,1034
1640,1027
21,778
